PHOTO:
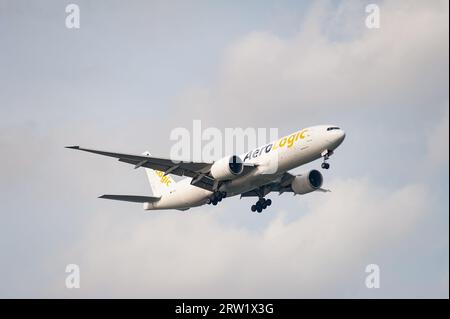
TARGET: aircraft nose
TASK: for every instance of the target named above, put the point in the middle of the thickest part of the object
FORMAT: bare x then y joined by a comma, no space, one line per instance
340,136
336,138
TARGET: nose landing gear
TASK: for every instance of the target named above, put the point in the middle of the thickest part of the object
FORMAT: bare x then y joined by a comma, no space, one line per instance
261,204
326,155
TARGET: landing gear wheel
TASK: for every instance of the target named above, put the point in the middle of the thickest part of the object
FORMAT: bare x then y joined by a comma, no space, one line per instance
261,204
325,165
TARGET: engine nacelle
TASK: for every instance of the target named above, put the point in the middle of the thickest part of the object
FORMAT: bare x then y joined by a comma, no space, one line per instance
307,183
227,168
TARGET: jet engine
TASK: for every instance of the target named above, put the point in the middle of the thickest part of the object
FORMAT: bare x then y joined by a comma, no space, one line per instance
307,183
227,168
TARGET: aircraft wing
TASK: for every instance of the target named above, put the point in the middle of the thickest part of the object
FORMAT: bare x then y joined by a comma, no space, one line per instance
197,170
180,168
281,185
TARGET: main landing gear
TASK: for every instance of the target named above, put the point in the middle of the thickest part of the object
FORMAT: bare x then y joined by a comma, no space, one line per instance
216,198
261,204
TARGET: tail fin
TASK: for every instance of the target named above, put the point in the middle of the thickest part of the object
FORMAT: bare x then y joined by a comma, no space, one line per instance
159,183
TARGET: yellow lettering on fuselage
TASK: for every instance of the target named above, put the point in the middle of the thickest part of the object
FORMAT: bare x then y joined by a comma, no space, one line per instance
289,140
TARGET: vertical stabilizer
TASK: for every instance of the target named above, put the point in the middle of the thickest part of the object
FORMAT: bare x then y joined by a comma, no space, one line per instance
159,183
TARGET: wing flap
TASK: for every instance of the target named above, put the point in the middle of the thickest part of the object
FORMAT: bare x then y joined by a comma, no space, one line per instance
204,182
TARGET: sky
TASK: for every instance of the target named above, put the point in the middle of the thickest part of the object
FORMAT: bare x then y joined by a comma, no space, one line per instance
135,71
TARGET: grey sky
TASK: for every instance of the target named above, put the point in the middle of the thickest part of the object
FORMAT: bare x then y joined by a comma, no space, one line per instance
134,71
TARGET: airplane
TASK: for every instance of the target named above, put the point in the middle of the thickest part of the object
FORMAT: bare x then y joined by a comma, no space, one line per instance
253,174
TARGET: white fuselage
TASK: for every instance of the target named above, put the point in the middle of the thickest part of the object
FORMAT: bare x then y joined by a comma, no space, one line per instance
273,160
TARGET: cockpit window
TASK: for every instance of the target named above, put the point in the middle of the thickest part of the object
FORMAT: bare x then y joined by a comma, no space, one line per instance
333,128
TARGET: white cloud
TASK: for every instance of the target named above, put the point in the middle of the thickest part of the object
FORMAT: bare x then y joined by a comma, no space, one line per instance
319,254
312,72
438,141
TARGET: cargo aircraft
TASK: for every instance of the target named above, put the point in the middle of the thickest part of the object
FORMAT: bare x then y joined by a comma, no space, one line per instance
253,174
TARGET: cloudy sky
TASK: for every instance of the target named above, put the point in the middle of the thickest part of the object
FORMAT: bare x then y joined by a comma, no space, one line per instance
134,71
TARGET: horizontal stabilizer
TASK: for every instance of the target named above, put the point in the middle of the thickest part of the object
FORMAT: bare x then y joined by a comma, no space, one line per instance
132,198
